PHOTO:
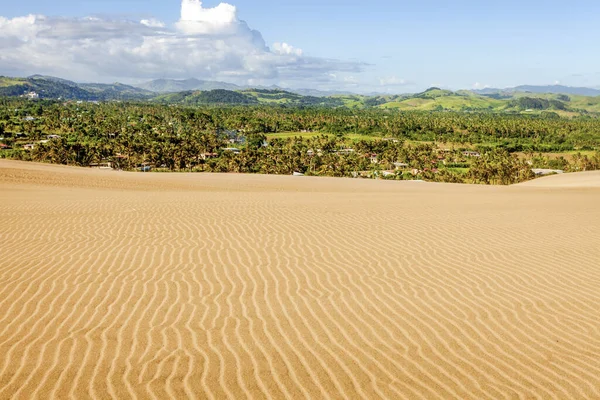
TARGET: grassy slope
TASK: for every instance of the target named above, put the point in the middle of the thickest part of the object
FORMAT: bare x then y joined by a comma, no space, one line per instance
7,82
448,102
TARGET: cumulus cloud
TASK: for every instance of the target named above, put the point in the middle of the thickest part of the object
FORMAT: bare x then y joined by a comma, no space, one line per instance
286,49
393,81
152,23
197,19
478,86
207,43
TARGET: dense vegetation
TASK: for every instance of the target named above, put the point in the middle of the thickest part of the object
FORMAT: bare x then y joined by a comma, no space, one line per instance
217,96
329,141
524,103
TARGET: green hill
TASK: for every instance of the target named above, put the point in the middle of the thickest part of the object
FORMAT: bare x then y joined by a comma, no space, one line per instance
432,99
48,87
283,97
217,96
184,85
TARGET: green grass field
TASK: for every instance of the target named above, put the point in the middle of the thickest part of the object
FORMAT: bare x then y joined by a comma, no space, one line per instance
447,102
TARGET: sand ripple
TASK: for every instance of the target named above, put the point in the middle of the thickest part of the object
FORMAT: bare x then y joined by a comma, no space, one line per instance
149,286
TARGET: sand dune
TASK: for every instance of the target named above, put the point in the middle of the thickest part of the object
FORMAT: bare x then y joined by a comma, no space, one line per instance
122,285
589,179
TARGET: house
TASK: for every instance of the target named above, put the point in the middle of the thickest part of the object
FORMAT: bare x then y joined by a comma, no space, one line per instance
114,162
104,164
471,154
232,137
29,146
28,118
400,165
4,146
542,172
393,140
373,158
53,136
345,152
232,150
32,96
206,156
363,174
43,141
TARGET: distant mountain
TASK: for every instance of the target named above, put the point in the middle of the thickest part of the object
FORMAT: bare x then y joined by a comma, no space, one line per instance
116,91
248,96
537,100
192,84
319,93
217,96
559,89
52,79
489,91
551,89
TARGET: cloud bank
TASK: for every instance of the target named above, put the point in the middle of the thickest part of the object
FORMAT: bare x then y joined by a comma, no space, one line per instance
206,43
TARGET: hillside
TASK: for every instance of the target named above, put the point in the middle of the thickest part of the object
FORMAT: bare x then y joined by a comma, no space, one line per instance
182,85
436,99
116,91
48,87
551,89
217,96
283,97
168,91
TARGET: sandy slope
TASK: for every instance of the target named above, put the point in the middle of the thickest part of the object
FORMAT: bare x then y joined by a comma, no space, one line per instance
589,179
213,286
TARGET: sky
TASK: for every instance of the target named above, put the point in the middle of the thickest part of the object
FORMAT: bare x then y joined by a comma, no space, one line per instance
375,46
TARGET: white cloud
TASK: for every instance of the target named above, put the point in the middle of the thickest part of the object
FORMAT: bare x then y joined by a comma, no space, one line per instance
207,43
286,49
392,81
196,19
152,23
478,86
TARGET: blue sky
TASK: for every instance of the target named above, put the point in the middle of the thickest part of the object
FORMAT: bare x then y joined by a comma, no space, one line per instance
380,45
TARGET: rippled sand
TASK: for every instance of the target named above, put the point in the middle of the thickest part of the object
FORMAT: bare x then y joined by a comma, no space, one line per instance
128,285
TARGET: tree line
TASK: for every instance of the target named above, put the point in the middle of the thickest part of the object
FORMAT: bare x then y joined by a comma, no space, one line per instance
193,139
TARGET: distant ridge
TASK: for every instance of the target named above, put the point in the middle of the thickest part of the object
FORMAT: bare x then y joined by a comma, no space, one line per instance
193,84
182,85
547,101
551,89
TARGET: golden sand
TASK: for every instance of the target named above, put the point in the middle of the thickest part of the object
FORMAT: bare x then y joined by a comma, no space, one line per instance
123,285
